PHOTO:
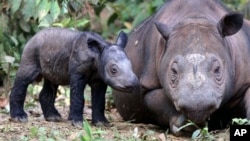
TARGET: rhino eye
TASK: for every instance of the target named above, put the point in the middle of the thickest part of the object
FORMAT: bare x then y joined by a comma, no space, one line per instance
217,70
113,70
174,74
174,71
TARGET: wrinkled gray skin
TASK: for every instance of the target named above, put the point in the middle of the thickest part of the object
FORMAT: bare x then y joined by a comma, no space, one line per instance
66,57
192,60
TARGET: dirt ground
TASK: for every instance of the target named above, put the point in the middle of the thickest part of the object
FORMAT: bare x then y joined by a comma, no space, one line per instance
38,129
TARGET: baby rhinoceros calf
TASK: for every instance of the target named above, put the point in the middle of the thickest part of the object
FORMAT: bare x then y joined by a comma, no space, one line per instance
63,57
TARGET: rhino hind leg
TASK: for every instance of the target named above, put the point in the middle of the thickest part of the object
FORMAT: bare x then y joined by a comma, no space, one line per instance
17,98
165,113
47,100
18,93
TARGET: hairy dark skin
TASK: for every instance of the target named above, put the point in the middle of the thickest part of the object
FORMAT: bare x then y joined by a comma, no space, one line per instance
66,57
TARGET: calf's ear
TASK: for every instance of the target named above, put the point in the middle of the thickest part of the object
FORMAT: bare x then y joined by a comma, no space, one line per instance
230,24
95,45
122,39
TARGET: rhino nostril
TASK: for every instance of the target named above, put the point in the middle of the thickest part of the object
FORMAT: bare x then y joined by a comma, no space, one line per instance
183,109
212,107
130,86
134,83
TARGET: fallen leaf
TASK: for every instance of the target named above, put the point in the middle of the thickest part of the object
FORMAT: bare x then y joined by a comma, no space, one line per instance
3,102
162,137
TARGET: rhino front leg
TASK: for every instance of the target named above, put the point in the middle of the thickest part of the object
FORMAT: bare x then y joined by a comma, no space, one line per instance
165,112
98,91
247,103
47,100
77,85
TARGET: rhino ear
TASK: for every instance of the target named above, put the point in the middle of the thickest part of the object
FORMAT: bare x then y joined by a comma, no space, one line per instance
163,29
95,45
230,24
122,39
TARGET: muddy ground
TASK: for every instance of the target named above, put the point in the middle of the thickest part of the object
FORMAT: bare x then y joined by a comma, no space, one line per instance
38,129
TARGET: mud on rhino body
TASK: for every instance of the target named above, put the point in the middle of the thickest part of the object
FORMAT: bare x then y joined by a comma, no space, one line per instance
63,57
193,64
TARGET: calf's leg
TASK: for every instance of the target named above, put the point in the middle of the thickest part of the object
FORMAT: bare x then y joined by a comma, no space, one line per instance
98,91
47,100
77,85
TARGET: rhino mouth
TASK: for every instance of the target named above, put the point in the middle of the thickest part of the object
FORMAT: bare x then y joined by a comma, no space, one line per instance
199,117
125,88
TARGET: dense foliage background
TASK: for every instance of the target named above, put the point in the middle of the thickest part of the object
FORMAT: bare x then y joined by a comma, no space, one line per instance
21,19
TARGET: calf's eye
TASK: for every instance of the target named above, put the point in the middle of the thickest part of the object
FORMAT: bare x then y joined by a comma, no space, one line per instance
113,70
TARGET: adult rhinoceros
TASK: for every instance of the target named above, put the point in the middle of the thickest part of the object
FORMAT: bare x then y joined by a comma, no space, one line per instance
193,61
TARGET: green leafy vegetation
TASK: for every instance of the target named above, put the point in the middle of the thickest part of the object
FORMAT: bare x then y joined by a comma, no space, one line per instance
240,121
91,135
199,133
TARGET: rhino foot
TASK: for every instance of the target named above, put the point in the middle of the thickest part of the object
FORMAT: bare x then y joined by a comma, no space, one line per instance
77,124
22,119
54,118
101,124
